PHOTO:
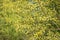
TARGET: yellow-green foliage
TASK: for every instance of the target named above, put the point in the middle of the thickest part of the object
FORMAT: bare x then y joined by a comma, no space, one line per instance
29,19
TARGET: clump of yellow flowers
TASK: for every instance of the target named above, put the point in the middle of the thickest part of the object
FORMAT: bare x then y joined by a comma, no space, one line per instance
29,19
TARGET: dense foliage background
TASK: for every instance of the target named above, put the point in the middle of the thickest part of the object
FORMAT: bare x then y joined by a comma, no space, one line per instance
29,19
